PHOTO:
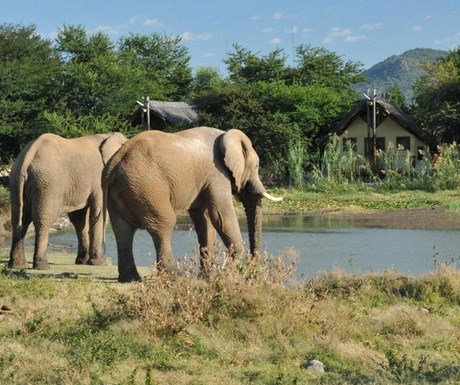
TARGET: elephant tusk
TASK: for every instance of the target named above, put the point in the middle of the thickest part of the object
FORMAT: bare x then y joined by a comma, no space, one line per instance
271,197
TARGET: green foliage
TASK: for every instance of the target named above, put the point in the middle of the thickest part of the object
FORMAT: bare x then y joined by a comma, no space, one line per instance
70,126
296,164
396,97
164,64
28,67
448,167
4,198
317,65
83,75
437,97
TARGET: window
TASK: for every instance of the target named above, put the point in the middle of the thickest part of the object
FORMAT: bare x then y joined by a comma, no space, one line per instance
352,142
403,141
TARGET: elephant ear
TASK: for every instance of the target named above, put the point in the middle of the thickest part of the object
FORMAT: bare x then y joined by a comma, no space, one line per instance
234,148
111,145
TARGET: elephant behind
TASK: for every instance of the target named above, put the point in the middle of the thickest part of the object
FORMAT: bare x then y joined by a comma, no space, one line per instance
53,175
157,174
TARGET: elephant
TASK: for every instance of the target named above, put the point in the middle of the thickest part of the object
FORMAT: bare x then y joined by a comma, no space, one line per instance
157,174
54,175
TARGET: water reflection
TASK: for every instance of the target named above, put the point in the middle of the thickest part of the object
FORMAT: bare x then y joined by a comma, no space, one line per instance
322,243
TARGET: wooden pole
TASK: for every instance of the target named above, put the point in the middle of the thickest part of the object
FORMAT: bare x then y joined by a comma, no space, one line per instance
148,112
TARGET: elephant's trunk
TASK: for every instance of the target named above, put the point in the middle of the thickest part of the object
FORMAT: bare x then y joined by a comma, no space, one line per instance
253,207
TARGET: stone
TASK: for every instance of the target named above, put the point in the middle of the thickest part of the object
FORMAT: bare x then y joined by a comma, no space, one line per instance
314,365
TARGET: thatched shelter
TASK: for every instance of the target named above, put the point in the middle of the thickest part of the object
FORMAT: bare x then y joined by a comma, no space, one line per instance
164,114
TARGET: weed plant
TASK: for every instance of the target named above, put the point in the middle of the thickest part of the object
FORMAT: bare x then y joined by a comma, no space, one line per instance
252,323
342,170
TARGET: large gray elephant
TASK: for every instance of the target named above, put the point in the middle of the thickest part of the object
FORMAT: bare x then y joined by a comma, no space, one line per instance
53,175
157,174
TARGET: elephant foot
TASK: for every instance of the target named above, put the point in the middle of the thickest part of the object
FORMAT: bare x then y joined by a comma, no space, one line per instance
167,267
82,260
41,265
17,264
99,262
126,278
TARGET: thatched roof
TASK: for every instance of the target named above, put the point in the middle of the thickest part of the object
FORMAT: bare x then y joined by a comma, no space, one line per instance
174,112
390,110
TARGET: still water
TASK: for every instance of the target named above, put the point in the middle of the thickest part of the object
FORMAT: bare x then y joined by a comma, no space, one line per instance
322,244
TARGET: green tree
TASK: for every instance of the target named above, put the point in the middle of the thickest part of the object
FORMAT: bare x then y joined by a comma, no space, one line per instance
102,77
164,63
245,66
94,80
437,98
28,70
396,97
319,66
277,105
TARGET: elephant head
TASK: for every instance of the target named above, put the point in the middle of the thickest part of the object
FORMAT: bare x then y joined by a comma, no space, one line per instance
243,162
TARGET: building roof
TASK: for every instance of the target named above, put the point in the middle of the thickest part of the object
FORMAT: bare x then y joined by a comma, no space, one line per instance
174,112
390,110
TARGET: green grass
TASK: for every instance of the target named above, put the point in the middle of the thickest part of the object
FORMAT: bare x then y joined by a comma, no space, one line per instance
252,324
363,199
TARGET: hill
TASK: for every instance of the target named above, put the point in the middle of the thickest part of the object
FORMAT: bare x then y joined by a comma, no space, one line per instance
403,70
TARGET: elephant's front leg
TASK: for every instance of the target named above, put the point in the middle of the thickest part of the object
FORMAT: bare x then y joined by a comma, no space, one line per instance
206,240
40,261
80,222
225,221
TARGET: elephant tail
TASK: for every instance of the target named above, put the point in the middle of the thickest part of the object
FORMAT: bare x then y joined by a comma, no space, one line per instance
18,179
108,179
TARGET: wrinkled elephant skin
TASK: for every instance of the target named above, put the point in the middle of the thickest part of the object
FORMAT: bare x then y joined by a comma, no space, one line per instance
157,174
53,175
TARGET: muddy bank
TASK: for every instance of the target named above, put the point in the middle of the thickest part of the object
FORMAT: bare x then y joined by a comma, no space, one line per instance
404,219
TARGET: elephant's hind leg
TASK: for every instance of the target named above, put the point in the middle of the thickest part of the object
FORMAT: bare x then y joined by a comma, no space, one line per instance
17,252
160,228
79,221
124,236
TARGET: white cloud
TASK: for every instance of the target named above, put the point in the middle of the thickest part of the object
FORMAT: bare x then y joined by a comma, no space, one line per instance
151,22
339,32
107,29
255,17
275,40
344,34
278,15
306,30
294,29
372,26
190,36
353,38
449,40
416,28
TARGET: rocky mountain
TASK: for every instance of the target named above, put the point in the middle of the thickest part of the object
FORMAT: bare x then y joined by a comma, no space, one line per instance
402,69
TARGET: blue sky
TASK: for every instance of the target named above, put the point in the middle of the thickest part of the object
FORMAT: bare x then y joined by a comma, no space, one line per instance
366,31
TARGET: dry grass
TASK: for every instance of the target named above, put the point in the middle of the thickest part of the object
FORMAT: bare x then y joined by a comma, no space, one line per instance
250,324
